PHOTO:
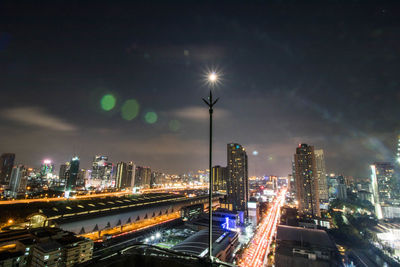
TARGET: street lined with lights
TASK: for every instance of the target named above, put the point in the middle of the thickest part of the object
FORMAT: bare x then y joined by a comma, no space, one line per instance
259,247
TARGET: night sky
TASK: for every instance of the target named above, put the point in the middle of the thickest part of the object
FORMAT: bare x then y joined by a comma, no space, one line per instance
293,72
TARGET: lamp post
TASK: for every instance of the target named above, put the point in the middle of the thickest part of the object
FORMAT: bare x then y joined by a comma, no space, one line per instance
212,79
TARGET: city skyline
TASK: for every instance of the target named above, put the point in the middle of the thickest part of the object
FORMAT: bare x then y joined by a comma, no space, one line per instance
281,84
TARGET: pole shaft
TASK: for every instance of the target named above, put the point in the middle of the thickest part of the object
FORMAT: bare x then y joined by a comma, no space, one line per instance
211,181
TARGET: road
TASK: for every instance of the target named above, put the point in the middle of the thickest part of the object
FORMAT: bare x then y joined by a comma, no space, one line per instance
259,247
109,194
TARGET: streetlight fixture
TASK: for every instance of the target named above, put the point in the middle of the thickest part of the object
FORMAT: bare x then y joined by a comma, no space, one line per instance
212,79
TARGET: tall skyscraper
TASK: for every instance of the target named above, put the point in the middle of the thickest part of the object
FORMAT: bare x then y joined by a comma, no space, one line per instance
142,176
238,181
321,176
73,174
341,188
375,192
398,150
386,181
219,178
102,171
307,181
18,174
131,174
121,178
6,165
46,168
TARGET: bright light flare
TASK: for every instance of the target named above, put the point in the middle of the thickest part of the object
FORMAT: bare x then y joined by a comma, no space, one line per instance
212,77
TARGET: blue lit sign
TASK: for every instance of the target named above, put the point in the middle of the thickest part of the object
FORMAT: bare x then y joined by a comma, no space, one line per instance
229,224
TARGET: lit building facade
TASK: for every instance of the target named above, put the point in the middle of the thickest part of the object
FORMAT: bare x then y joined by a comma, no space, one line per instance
238,181
386,181
73,174
341,188
142,177
18,180
102,172
46,168
306,181
321,176
122,180
219,178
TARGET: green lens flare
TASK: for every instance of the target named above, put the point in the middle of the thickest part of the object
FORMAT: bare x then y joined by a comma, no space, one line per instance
151,117
174,125
107,102
130,109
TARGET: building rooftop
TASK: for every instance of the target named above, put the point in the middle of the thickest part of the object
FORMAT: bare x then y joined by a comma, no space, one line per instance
304,236
197,244
48,246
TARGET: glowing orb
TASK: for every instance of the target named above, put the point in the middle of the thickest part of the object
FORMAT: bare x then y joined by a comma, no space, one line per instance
151,117
130,109
174,125
107,102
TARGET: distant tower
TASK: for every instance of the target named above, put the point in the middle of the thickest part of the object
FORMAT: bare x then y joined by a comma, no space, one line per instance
398,150
321,175
375,193
73,174
142,176
341,188
6,165
63,174
219,178
238,181
385,180
46,168
102,170
121,179
18,174
307,181
131,174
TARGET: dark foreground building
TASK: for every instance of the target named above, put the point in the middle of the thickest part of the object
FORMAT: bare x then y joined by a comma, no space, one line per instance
297,247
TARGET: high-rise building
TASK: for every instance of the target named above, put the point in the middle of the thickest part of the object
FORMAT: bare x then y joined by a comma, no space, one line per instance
18,175
238,181
63,171
341,188
157,178
6,165
375,192
398,150
102,171
142,176
307,181
131,174
219,178
293,180
386,181
46,168
73,174
321,176
121,178
82,177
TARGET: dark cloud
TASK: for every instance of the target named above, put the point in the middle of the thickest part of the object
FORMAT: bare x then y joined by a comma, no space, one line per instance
324,74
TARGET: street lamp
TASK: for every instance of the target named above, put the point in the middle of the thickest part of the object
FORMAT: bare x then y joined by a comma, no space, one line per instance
212,79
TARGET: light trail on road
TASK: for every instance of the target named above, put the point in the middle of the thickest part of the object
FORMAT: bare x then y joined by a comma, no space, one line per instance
260,245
